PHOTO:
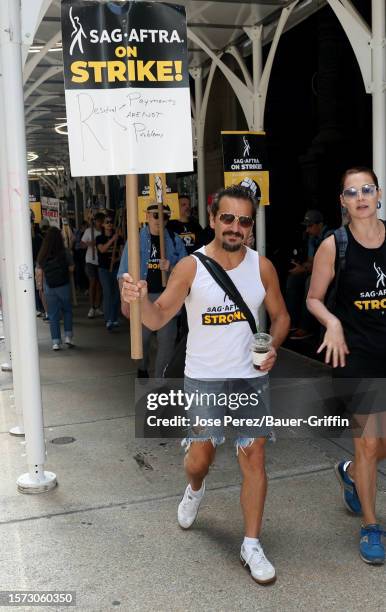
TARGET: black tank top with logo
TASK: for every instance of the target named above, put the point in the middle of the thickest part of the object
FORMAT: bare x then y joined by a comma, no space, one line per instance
361,298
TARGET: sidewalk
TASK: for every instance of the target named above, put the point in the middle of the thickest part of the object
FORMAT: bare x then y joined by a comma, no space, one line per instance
109,530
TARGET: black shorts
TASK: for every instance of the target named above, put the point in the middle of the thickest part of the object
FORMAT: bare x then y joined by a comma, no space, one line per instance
360,387
92,271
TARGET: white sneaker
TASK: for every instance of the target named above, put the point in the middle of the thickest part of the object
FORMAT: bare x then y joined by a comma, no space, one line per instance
98,312
91,313
69,342
254,559
56,347
188,507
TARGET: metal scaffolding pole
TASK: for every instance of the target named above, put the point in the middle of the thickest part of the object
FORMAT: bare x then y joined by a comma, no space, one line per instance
379,95
36,480
257,67
196,73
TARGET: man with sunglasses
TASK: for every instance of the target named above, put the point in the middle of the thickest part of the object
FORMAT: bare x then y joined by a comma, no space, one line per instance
299,276
151,267
218,355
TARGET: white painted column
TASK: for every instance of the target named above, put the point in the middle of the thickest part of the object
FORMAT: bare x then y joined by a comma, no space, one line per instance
258,120
196,74
6,366
9,280
36,480
379,96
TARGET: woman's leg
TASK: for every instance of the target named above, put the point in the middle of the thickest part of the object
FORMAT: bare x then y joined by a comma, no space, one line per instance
370,448
54,311
363,471
65,296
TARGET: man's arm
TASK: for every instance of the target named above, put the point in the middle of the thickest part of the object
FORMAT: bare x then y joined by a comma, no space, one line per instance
104,247
274,303
156,314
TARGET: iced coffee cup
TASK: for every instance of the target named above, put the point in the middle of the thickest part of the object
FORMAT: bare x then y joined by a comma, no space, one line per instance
260,348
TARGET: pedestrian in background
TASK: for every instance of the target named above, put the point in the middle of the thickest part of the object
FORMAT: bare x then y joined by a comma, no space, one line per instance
54,264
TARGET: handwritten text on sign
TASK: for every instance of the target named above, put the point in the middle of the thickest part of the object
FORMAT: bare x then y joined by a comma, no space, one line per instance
123,131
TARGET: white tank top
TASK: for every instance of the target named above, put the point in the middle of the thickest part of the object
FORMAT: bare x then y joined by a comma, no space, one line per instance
220,338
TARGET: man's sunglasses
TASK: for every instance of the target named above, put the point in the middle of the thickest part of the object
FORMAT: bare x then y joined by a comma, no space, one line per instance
367,191
229,218
156,216
108,222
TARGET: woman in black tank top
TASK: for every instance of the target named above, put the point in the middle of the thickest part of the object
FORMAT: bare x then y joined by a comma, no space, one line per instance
355,343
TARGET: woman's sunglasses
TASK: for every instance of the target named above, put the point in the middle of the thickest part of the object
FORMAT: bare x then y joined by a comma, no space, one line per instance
229,218
367,191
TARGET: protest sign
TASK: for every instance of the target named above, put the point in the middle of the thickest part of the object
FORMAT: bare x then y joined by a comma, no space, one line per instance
245,161
50,210
127,87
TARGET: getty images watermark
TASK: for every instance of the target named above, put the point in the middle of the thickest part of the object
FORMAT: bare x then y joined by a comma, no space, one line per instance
230,402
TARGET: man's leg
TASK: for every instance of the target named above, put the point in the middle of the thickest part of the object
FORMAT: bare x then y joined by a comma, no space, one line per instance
197,461
254,485
252,497
198,458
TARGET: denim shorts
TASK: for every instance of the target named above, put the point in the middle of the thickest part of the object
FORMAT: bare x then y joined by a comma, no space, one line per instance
233,407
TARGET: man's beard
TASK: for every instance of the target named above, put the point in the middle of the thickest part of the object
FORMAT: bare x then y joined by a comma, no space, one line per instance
232,248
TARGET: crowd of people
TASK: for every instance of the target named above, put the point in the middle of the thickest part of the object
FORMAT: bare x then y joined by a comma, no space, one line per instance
349,262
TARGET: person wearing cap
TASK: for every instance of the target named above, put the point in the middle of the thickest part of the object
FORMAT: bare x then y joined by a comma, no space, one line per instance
300,274
186,227
151,266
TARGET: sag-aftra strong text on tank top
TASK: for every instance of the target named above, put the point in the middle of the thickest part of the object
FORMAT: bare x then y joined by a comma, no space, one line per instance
220,338
361,297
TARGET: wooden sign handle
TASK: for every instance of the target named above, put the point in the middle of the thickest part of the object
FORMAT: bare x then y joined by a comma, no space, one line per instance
134,262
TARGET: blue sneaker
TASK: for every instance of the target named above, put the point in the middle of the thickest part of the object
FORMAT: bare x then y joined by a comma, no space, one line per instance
371,549
350,493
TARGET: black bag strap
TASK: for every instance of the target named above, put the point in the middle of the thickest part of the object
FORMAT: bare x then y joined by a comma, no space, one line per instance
341,242
226,283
